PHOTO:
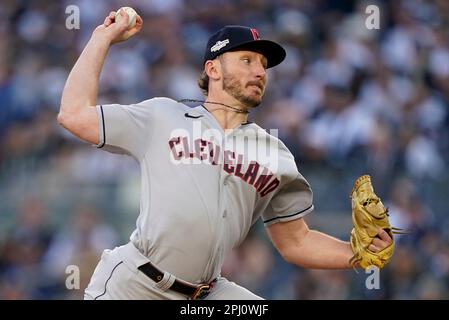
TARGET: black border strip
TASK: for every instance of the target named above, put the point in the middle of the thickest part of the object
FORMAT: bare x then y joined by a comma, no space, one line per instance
104,128
288,216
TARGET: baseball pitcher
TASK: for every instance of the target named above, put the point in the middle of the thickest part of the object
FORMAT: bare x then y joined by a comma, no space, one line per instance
207,175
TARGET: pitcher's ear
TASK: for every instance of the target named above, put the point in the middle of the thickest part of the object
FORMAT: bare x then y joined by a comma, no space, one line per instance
213,69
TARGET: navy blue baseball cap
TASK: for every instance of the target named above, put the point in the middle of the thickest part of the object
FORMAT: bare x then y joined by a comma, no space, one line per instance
232,38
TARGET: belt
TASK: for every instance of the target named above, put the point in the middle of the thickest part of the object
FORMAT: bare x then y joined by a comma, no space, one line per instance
194,292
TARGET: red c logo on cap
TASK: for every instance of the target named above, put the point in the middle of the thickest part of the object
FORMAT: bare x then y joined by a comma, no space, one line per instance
255,34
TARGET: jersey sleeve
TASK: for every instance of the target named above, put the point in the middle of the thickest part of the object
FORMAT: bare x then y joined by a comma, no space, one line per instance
293,201
126,129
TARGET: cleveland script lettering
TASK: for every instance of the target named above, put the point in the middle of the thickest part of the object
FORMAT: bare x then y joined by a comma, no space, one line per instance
253,173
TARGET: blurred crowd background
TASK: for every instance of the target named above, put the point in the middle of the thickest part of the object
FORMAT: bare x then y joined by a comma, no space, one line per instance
347,101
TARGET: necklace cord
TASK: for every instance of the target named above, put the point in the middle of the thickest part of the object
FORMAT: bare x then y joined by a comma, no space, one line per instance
212,102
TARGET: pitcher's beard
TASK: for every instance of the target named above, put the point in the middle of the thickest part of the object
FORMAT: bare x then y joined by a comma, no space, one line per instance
234,88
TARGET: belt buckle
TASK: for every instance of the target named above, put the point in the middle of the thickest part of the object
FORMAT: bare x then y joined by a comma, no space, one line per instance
201,292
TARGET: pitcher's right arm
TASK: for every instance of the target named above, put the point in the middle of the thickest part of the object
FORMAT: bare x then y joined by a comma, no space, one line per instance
77,112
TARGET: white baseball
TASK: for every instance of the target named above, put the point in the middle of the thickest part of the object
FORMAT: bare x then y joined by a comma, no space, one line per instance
132,14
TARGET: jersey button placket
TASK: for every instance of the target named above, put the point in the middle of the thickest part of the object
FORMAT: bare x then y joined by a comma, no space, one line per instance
225,183
225,178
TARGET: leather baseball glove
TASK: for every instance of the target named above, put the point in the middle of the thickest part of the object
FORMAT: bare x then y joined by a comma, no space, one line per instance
368,216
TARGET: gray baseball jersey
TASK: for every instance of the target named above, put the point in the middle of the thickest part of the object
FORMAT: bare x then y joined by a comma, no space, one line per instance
202,187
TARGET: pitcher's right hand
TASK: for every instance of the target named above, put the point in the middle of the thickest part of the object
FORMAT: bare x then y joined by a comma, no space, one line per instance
117,31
